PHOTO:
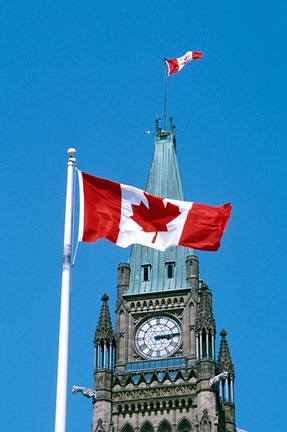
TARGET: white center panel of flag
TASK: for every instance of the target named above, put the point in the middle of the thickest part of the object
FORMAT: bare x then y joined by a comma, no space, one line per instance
131,232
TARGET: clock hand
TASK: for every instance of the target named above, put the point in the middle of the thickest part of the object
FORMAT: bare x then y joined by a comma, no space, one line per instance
166,336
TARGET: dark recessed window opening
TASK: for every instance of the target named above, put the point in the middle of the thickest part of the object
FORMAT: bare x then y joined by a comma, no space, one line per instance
170,270
146,272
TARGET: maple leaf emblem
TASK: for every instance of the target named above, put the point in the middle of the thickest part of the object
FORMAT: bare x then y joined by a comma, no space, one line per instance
185,60
156,216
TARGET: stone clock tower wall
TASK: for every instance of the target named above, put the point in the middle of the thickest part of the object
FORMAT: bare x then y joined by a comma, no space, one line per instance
152,373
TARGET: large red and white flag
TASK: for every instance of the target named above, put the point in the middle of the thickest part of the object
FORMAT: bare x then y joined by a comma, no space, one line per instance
175,65
126,215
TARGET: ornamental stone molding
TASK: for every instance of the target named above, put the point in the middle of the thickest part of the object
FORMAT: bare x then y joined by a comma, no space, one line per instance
186,390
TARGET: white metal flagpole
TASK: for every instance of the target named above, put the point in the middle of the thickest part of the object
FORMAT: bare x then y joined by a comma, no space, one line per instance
61,399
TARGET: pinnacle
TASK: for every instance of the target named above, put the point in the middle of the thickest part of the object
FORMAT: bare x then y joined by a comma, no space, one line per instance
104,331
224,362
105,297
205,319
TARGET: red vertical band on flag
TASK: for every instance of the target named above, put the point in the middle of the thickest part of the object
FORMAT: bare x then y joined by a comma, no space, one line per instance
196,55
172,65
102,208
204,226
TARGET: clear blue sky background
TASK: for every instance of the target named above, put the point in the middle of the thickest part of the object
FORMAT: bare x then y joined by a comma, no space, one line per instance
89,75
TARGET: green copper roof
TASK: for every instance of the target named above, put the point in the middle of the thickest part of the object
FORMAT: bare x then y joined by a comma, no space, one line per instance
164,181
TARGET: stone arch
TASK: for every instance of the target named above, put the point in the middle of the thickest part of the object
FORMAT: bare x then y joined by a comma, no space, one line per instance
127,428
205,423
99,427
164,426
184,425
147,427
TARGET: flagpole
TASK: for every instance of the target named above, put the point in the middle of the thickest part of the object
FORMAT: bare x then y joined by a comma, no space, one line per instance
61,399
164,97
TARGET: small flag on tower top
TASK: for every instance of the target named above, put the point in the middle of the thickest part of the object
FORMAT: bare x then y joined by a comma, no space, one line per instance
175,65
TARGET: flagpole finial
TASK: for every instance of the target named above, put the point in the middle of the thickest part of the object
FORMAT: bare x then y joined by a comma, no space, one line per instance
72,152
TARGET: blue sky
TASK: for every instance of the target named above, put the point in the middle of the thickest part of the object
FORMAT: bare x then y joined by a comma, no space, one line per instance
89,75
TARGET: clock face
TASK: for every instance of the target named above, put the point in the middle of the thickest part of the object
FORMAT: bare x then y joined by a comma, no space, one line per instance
157,337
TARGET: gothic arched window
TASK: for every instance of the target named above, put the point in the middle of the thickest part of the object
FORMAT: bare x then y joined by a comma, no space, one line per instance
164,426
184,426
127,428
147,427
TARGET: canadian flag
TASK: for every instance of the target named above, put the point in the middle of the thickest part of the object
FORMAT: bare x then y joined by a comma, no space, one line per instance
126,215
175,65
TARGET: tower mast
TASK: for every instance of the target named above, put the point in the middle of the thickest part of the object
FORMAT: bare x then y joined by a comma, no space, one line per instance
164,96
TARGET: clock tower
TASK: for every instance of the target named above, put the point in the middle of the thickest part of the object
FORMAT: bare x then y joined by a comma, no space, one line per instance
152,372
